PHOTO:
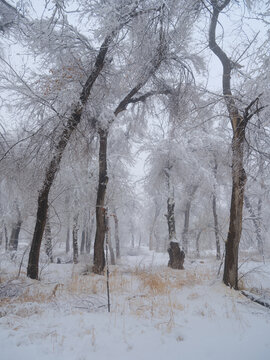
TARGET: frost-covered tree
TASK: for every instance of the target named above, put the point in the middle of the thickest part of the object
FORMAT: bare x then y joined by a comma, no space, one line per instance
239,120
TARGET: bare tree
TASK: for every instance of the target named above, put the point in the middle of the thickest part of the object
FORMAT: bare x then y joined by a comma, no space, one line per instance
239,122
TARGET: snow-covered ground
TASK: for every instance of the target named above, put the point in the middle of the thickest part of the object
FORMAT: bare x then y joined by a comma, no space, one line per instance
156,313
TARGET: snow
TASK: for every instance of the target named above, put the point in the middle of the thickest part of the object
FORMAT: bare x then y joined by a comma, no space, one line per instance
156,313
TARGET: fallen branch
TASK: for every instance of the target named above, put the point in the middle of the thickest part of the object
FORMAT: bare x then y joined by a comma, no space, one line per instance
257,299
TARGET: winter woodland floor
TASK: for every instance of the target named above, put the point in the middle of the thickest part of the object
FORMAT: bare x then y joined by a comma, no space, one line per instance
157,313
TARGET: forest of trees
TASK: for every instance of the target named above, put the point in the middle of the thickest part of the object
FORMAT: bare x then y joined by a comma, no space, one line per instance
91,88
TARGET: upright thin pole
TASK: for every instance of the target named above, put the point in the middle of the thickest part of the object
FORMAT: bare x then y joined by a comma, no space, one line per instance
106,251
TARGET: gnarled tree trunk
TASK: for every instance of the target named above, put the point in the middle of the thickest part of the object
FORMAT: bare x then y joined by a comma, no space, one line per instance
238,122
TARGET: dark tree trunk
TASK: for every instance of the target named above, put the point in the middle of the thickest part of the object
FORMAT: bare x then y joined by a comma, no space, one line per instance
48,240
82,242
198,244
32,269
72,123
14,237
171,219
75,239
116,235
256,224
176,255
238,122
99,256
68,240
230,276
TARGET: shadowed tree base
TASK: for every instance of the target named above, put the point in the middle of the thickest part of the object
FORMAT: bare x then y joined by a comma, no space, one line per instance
176,255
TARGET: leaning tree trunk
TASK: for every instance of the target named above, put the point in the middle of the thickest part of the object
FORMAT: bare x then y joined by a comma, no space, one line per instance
238,122
99,256
71,125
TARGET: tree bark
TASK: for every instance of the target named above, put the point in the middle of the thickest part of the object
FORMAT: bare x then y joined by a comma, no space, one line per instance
72,123
238,122
75,239
176,255
48,240
82,242
99,256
